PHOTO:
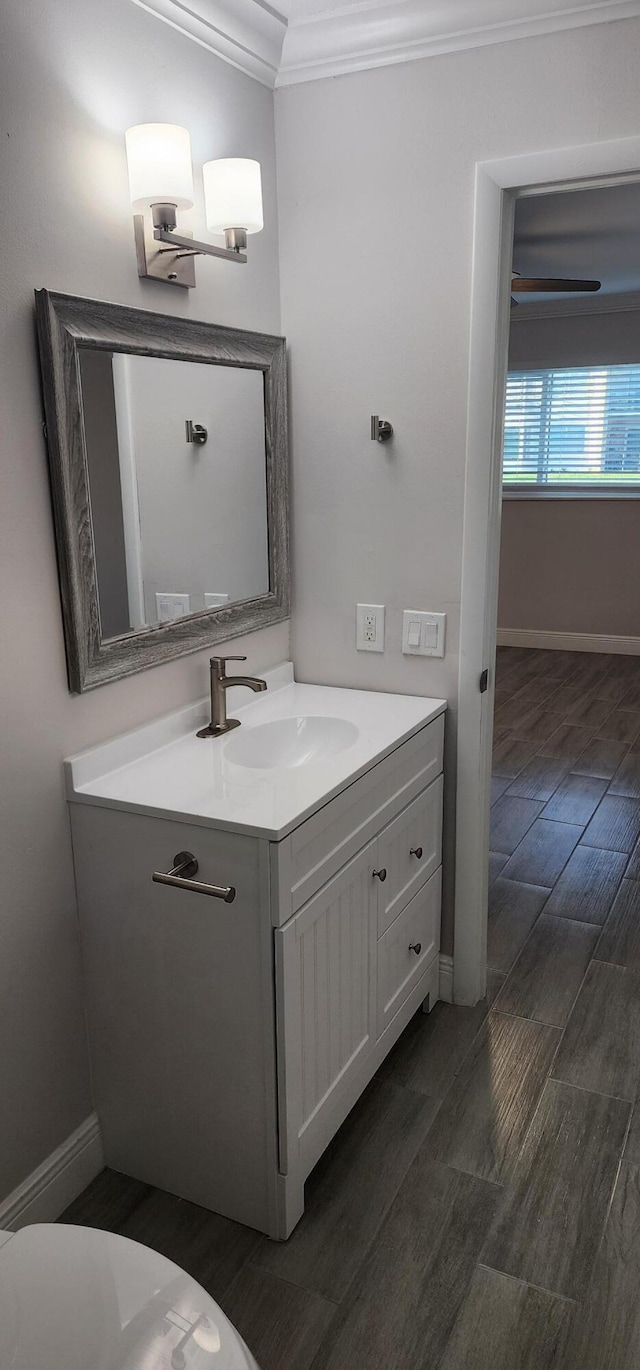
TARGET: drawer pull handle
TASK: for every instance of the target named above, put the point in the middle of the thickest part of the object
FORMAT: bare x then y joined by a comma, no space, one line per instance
415,946
184,867
416,851
381,874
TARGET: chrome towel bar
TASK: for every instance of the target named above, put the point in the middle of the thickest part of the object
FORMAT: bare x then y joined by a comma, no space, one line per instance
184,867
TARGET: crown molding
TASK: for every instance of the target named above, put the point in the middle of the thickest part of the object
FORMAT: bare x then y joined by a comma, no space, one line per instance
372,34
248,34
582,304
257,38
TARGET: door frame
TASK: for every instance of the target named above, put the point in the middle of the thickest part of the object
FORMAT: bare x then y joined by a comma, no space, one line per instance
129,488
497,185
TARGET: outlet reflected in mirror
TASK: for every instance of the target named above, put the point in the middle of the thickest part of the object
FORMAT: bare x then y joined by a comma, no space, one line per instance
179,526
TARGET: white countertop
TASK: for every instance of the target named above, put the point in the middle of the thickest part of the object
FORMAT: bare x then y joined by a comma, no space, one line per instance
164,769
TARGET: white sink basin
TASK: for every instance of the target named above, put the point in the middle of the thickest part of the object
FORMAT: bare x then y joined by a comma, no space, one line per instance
290,742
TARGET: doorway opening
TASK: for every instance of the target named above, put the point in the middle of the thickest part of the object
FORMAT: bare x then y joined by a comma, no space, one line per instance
500,186
552,407
565,810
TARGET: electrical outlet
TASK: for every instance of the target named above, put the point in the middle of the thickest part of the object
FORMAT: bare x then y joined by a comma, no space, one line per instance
215,600
423,633
370,627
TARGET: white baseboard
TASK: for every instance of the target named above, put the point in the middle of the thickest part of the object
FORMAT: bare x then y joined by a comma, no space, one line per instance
45,1194
446,978
569,642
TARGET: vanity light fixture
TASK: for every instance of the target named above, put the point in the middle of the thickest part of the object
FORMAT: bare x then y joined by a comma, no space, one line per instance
161,181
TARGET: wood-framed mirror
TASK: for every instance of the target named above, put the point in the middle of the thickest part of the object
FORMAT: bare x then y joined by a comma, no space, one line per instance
168,458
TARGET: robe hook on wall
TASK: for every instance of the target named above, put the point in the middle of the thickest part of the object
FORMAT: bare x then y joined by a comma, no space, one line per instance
381,429
195,432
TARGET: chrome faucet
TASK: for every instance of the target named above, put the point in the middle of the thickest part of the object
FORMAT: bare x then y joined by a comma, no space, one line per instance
220,683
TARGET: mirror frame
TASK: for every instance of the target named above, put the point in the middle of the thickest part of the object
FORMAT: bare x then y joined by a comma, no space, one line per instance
66,323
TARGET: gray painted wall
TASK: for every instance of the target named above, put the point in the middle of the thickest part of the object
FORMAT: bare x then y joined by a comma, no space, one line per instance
73,76
572,566
376,185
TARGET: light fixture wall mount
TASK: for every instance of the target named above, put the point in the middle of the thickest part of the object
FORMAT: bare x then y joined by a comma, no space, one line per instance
165,255
161,182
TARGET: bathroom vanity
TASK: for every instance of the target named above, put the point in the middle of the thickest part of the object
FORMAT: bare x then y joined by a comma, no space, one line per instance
237,1012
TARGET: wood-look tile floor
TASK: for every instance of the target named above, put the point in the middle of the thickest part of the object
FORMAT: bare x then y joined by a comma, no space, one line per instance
480,1208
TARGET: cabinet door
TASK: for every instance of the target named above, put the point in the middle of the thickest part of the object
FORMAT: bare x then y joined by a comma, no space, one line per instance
325,996
409,851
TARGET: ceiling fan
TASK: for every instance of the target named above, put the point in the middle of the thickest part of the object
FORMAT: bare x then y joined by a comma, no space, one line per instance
539,285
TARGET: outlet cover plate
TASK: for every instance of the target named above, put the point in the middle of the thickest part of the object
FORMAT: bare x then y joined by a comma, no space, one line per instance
370,627
170,606
423,632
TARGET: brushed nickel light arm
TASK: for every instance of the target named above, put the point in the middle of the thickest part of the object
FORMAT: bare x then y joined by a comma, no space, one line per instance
174,262
164,226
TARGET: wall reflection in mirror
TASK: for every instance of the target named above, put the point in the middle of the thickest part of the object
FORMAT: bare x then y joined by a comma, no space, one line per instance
179,526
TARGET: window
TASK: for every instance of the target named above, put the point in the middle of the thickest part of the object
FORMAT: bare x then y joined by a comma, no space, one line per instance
578,428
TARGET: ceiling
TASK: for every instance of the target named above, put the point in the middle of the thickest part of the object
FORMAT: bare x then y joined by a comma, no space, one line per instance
282,42
582,233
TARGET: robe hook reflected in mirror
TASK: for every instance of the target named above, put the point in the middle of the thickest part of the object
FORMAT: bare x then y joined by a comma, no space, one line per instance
195,432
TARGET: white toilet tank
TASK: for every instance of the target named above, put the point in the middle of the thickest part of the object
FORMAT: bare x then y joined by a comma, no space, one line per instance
75,1298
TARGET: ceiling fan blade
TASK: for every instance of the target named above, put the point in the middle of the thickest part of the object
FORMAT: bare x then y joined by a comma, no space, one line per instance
543,285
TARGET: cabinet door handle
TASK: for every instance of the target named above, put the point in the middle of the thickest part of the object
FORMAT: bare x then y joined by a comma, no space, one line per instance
415,946
184,867
416,851
381,874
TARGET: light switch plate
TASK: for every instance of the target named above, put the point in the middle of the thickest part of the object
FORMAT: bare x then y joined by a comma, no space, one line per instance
423,633
370,627
170,606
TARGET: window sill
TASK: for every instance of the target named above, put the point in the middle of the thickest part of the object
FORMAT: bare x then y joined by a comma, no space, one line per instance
600,493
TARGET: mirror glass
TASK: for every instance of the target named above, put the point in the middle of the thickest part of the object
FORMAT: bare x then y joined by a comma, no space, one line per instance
179,526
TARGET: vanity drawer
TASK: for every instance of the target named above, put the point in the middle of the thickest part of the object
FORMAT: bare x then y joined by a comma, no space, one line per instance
399,966
312,853
409,850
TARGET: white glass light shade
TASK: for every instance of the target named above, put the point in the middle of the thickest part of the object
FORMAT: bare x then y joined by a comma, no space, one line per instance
159,160
233,194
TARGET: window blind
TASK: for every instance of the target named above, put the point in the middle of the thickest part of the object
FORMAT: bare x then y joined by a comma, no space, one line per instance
577,426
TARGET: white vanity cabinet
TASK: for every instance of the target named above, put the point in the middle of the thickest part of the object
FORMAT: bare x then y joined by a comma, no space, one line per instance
230,1040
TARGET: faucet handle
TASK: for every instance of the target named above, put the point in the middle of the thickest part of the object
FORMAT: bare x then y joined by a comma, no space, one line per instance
220,660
